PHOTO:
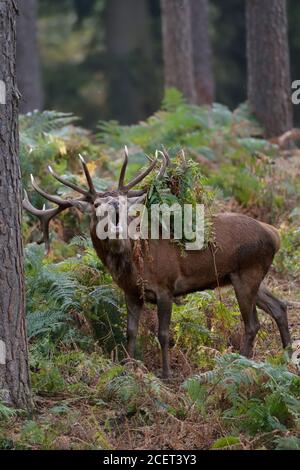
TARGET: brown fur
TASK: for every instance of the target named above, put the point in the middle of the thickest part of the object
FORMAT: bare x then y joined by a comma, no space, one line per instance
244,253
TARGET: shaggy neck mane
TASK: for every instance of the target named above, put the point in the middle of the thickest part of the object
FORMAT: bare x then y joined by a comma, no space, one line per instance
118,258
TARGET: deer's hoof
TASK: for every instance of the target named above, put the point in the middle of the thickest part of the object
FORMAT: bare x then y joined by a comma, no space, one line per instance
246,351
166,376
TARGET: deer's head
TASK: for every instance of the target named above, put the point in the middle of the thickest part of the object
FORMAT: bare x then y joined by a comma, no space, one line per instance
91,201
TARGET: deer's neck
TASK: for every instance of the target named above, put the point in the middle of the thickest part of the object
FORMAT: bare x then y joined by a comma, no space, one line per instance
116,255
118,260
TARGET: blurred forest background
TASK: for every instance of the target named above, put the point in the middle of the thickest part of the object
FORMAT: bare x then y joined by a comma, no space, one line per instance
103,59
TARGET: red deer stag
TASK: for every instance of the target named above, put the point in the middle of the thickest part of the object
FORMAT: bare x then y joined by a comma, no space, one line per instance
245,251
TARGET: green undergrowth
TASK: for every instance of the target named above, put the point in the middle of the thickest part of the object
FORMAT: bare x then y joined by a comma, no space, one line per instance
83,401
204,324
287,261
227,145
72,302
252,397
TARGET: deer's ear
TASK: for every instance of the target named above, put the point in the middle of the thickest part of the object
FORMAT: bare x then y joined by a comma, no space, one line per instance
83,206
137,200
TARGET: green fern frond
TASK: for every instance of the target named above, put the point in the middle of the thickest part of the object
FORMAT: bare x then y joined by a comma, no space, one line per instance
7,412
261,396
38,123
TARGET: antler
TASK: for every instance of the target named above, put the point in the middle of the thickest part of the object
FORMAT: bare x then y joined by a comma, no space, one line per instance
46,215
164,165
89,196
89,180
127,188
137,179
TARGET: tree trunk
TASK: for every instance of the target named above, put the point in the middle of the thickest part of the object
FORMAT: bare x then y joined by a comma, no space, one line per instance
268,65
202,53
14,375
177,47
28,64
132,79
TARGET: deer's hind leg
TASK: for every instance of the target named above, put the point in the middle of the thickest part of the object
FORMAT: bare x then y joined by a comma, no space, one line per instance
246,286
276,309
134,309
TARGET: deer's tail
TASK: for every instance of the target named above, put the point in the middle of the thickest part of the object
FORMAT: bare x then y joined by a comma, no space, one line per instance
273,232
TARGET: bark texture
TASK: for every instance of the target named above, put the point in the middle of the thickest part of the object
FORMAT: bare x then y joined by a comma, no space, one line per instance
28,63
269,87
177,47
14,376
202,52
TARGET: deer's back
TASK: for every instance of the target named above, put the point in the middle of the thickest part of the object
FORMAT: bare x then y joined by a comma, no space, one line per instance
240,243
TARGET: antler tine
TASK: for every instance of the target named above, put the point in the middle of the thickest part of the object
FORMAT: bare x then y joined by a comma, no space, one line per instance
52,198
123,169
88,176
164,165
166,154
68,183
30,208
166,162
137,192
148,157
140,177
45,217
183,159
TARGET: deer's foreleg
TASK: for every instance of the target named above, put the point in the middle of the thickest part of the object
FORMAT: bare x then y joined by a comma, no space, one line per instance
164,311
134,310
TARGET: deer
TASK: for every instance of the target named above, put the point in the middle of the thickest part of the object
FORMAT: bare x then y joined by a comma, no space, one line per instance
243,254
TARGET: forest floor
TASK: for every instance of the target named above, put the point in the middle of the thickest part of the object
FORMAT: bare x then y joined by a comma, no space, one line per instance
74,420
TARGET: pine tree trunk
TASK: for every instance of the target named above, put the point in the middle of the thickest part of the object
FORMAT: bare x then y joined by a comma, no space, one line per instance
28,64
202,53
177,47
14,375
268,65
132,79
